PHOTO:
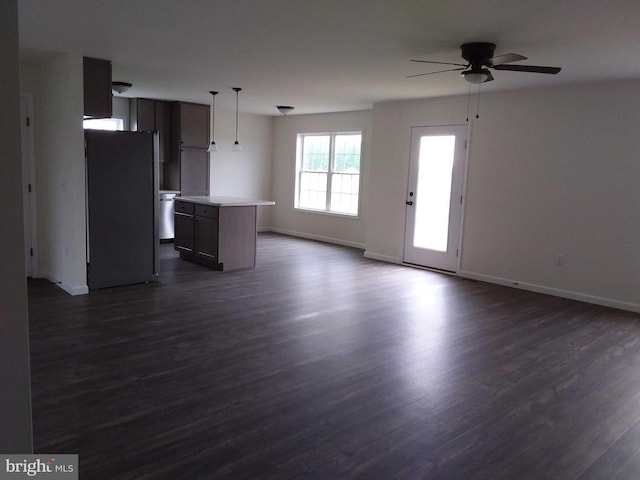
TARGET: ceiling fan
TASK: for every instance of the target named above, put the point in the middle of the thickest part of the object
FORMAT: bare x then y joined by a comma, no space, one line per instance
479,57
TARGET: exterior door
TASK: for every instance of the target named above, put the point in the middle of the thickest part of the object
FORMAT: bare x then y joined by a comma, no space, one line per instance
434,196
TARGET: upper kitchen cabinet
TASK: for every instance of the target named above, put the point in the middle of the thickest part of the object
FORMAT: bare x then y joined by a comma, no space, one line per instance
190,124
147,115
97,87
188,171
142,114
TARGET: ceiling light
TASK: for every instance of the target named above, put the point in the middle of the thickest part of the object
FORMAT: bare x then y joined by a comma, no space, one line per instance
213,147
236,145
476,76
120,87
285,109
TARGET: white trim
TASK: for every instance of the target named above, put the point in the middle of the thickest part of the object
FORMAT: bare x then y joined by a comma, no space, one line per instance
382,258
319,238
557,292
300,139
70,289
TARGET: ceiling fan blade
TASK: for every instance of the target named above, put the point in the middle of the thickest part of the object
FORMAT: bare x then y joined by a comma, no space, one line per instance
528,68
489,78
507,58
440,63
439,71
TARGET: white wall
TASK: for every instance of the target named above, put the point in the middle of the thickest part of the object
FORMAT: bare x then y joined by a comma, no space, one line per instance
56,85
337,229
15,395
246,173
551,172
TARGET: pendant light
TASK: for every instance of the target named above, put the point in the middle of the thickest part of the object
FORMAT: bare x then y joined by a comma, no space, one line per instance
213,147
236,145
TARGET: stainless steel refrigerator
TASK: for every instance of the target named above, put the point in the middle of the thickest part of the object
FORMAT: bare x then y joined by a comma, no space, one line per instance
122,211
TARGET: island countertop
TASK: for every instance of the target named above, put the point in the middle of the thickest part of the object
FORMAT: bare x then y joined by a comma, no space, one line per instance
225,201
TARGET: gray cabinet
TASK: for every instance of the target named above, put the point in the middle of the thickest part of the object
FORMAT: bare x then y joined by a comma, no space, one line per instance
206,231
194,171
219,237
97,87
191,124
146,114
184,222
190,140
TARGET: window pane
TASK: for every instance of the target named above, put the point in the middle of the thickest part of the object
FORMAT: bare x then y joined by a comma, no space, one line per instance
315,153
313,190
435,169
347,153
344,193
321,155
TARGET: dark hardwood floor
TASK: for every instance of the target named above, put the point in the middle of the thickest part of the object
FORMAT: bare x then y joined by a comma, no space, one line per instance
322,364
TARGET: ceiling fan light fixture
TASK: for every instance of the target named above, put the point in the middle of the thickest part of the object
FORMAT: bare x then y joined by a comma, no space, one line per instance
476,77
120,87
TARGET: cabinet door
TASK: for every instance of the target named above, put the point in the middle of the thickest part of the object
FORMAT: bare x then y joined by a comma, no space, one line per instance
194,171
207,237
97,87
183,233
146,110
194,125
163,126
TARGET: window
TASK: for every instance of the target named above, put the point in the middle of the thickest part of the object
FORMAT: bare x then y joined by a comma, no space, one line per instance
328,172
103,124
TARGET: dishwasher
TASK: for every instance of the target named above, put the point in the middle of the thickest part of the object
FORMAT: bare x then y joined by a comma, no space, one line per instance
165,214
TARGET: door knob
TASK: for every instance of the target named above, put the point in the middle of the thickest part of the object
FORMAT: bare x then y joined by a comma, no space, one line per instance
409,202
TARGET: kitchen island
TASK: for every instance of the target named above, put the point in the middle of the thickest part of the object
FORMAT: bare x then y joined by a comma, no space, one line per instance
217,231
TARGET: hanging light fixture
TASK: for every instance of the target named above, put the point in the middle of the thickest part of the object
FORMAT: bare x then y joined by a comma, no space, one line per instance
120,87
476,76
284,109
213,147
236,145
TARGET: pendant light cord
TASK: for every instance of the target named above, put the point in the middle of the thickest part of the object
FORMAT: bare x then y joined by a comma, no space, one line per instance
237,90
213,116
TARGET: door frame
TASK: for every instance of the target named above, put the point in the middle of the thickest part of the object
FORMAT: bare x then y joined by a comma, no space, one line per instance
29,170
465,174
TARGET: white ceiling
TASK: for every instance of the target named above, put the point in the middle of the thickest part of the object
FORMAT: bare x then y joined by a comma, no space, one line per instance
330,55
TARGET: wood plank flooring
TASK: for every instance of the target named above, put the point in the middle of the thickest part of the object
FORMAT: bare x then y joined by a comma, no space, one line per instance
322,364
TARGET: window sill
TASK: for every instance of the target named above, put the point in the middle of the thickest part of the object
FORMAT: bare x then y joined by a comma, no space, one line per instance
327,213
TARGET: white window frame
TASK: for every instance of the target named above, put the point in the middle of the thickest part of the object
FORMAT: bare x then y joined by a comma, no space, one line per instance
299,162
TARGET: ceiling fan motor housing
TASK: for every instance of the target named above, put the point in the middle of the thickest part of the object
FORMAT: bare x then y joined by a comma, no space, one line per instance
478,54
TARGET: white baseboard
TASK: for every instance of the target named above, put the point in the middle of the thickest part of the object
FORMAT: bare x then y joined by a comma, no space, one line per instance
319,238
70,289
557,292
382,258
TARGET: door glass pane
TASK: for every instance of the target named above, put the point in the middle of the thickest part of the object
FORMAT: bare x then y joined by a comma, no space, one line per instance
435,171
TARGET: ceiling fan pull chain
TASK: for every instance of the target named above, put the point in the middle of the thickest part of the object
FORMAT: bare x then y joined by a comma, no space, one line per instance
478,106
468,102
